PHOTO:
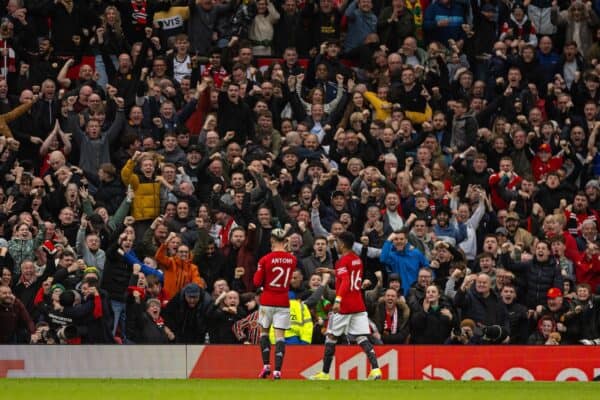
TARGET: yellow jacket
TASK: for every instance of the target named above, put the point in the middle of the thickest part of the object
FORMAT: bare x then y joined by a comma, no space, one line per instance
146,202
301,323
383,109
418,117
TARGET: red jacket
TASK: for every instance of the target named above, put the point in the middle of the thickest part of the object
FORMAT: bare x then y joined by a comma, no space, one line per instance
513,184
540,168
588,271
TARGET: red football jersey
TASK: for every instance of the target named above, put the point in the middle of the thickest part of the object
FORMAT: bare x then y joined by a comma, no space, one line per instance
348,284
274,274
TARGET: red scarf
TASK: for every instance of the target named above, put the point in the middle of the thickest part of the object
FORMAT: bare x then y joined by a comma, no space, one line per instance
8,63
224,233
139,14
25,282
391,321
160,322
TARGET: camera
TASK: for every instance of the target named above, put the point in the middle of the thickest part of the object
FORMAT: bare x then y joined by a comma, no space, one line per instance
493,334
459,332
67,332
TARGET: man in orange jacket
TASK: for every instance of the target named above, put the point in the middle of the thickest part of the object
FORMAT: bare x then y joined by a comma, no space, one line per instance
179,269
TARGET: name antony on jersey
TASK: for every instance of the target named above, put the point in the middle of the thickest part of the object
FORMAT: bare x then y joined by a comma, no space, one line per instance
282,261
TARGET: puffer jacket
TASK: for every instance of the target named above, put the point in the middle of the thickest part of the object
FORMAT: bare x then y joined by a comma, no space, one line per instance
146,203
484,311
538,277
178,272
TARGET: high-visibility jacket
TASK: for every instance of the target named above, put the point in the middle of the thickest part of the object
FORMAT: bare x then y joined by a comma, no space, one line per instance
301,324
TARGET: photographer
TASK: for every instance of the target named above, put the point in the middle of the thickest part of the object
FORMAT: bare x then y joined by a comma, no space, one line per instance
464,334
67,318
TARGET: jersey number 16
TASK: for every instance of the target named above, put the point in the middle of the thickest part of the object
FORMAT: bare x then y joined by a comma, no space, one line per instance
355,281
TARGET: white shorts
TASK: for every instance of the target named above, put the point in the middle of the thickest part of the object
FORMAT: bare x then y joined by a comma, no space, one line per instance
279,317
348,324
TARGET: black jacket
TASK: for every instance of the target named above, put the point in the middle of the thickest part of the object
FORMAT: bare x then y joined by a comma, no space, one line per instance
110,195
431,327
116,275
99,331
519,323
235,117
538,277
221,324
188,324
141,328
483,311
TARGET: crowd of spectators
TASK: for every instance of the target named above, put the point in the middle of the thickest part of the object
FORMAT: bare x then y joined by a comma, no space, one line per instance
149,147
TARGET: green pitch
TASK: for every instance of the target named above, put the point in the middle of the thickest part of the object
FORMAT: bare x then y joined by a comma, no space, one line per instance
92,389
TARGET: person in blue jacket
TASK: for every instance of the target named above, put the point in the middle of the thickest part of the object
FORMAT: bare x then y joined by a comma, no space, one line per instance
402,258
444,20
361,22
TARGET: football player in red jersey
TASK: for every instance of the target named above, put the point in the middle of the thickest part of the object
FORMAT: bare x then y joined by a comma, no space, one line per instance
349,311
274,274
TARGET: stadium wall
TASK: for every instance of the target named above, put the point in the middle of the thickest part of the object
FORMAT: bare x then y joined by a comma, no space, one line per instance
564,363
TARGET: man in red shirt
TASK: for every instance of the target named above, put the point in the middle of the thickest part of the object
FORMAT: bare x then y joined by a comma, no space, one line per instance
544,162
349,313
505,177
274,274
587,267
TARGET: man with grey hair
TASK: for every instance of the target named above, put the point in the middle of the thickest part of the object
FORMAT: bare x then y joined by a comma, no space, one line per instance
480,303
589,234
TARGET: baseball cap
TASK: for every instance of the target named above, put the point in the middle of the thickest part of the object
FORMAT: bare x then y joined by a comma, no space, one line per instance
195,147
394,277
512,215
553,293
502,231
191,290
545,147
337,193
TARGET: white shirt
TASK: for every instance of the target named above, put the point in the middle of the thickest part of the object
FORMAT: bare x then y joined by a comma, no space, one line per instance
182,68
395,220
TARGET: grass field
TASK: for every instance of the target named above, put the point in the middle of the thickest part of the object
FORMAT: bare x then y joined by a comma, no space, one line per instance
92,389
